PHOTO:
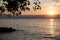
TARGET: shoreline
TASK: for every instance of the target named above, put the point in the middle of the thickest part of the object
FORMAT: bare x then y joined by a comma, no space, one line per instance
29,17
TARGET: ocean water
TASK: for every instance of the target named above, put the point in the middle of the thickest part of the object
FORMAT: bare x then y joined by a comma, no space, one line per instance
31,29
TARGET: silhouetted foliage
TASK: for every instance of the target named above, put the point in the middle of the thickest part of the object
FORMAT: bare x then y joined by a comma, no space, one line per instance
37,5
13,5
19,13
2,9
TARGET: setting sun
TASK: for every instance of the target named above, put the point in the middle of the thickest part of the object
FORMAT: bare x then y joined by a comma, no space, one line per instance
51,12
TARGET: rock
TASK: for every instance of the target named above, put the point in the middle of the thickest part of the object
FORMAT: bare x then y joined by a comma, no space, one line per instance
6,30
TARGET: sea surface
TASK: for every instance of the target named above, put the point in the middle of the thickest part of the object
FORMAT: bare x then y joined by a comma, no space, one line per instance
31,29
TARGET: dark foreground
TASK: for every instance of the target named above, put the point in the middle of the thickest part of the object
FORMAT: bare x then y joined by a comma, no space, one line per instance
6,30
24,34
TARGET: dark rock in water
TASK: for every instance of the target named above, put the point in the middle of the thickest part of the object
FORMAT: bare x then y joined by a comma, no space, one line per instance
6,30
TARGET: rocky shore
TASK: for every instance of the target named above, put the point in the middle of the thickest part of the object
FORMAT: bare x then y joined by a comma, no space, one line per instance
6,30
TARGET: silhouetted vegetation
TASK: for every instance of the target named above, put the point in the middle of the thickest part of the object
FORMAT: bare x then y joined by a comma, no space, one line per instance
1,10
37,5
19,5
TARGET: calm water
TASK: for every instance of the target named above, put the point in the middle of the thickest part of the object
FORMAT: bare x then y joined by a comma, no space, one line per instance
33,29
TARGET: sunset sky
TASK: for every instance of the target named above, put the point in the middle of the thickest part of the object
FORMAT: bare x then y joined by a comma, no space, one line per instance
47,6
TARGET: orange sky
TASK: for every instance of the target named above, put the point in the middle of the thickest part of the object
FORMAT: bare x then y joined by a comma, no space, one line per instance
44,10
46,7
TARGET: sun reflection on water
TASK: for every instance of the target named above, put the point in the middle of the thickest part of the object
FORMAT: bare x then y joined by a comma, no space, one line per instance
52,28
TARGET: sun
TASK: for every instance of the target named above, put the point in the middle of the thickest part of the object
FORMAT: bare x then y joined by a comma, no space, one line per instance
51,12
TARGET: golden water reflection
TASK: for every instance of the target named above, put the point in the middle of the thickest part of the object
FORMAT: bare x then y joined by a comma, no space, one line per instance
52,27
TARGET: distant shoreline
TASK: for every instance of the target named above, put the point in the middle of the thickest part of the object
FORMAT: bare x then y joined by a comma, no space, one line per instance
30,17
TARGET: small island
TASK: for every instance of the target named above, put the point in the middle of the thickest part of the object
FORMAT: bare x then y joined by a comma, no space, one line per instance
6,30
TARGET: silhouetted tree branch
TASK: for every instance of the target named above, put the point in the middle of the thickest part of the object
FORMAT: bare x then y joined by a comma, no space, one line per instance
14,5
